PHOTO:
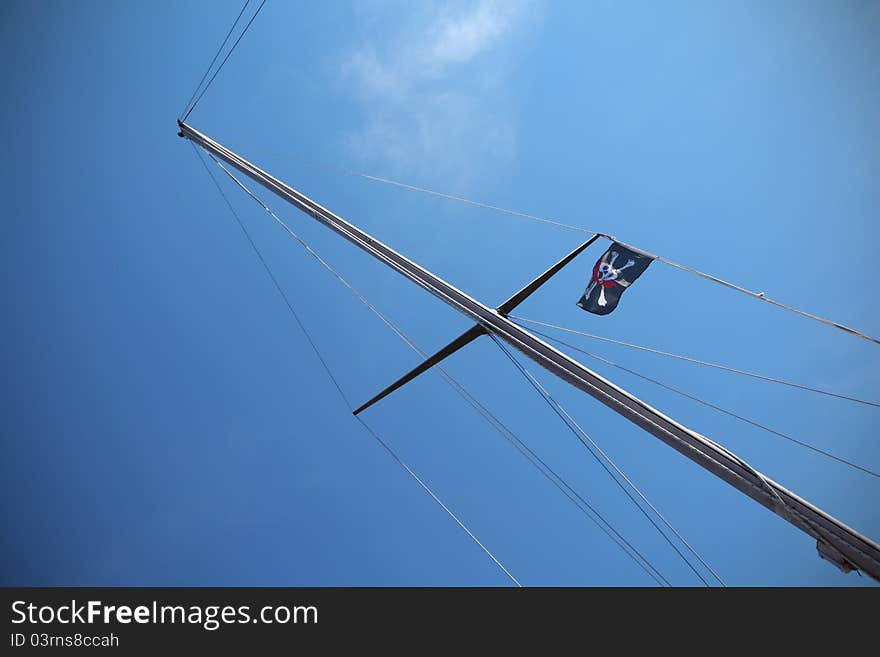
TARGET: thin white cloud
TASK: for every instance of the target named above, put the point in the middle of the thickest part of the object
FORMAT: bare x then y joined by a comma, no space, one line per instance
460,38
431,86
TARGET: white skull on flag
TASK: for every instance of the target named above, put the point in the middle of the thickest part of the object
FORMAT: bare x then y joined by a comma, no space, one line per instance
608,277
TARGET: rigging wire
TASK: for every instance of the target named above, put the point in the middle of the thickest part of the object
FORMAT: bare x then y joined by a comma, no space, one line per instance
333,378
621,473
782,509
524,215
231,50
593,448
756,295
563,486
404,337
216,55
424,190
570,422
576,498
711,405
697,361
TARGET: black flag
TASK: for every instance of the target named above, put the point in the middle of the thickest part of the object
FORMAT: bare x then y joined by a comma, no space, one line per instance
616,270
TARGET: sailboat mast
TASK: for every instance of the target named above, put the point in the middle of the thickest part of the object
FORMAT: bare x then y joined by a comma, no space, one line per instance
836,542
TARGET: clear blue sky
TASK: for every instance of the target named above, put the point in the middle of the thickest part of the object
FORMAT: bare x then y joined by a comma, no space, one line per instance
165,422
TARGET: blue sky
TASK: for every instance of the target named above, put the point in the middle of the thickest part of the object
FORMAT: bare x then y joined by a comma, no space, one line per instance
164,420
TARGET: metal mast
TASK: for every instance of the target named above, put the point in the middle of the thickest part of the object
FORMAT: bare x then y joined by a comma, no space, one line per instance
835,541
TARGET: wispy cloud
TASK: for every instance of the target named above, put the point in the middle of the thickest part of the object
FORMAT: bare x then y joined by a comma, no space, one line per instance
431,84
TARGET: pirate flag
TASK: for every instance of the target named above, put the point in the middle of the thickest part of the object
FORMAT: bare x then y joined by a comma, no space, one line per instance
616,270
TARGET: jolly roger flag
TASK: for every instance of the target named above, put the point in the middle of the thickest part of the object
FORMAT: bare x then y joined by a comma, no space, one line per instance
616,270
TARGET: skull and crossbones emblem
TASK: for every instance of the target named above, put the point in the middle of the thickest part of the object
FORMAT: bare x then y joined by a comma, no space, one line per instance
605,276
